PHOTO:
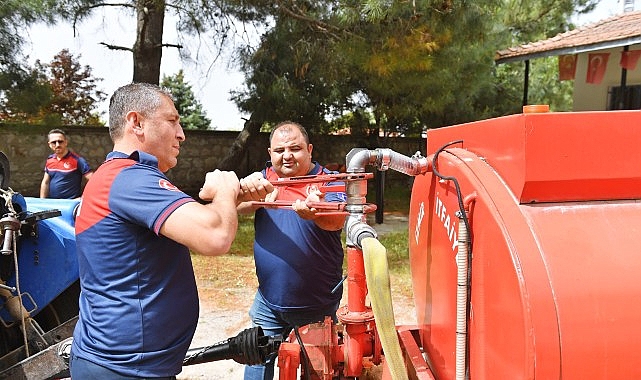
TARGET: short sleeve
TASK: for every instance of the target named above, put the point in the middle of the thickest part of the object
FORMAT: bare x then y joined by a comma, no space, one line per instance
144,196
83,165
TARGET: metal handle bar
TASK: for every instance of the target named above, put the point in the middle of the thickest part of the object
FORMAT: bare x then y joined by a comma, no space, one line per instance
331,208
343,177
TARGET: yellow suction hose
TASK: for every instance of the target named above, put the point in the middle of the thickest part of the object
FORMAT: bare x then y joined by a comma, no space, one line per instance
378,285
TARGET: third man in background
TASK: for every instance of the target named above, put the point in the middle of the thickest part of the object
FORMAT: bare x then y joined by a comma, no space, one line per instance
64,169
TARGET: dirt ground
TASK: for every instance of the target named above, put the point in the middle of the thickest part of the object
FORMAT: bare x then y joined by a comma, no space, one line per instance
226,287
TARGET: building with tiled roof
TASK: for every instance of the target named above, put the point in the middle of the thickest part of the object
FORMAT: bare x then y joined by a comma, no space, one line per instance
595,48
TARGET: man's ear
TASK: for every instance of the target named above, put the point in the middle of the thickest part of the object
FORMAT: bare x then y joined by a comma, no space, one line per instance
133,118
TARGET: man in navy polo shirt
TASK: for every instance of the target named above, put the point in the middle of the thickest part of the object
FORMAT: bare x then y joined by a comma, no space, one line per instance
298,252
64,169
134,232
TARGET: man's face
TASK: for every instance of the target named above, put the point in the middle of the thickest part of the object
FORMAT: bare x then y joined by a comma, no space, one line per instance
291,156
58,143
163,134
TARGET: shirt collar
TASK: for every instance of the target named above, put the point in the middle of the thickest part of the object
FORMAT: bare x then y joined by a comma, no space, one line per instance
316,168
139,156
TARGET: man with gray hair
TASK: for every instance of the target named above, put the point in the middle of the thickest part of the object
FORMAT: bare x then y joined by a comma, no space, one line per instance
134,232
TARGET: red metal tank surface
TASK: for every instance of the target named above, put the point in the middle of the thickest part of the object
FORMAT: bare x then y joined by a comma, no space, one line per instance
554,208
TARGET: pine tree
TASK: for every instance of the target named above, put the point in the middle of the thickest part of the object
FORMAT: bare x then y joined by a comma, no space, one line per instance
192,115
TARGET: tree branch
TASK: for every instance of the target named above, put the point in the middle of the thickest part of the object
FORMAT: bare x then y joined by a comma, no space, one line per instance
172,45
115,47
298,14
79,11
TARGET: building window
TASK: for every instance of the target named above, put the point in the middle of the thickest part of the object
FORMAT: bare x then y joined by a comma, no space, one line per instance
630,99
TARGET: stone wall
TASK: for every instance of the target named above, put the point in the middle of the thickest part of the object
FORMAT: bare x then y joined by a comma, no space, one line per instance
26,148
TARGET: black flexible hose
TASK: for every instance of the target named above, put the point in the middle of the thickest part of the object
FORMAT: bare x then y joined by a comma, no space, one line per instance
459,196
249,347
463,216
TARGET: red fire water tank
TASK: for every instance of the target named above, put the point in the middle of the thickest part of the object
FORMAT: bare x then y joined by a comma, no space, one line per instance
554,208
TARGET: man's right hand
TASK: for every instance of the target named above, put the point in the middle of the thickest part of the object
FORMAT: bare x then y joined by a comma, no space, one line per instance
219,183
254,187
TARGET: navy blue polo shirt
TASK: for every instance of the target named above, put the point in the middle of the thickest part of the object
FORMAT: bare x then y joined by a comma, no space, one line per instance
65,175
139,302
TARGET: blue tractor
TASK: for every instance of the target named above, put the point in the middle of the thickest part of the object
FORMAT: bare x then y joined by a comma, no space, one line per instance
39,285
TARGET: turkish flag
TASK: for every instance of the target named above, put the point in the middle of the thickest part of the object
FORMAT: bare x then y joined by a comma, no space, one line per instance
567,66
629,59
597,62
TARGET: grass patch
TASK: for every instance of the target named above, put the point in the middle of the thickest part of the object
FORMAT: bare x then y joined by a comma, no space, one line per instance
243,244
397,246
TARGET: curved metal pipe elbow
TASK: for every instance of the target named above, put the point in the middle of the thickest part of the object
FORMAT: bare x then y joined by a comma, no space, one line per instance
412,166
384,159
358,158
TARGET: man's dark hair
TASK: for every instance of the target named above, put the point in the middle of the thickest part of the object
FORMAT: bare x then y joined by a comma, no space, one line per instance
302,129
57,130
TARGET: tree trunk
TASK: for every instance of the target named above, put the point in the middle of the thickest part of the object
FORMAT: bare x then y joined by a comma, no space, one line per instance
239,147
147,50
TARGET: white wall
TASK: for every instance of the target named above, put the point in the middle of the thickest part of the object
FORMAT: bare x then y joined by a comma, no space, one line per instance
593,97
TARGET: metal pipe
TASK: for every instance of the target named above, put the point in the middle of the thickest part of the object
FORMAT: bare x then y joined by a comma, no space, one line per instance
356,230
384,159
10,225
356,316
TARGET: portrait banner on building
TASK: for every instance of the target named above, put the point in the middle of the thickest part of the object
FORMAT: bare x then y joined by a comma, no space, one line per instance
597,63
629,59
567,66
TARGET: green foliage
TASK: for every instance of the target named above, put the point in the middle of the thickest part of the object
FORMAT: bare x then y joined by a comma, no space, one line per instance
359,122
25,95
292,76
243,244
518,22
401,67
192,115
370,66
61,92
398,72
75,91
547,88
15,16
431,75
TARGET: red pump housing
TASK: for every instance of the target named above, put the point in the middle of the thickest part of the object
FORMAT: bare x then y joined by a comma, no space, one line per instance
553,202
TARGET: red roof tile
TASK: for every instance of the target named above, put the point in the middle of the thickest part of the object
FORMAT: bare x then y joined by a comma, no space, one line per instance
620,30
